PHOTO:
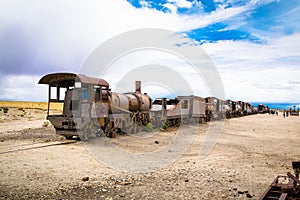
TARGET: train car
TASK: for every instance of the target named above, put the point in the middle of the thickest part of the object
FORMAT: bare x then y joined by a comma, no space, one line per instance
91,109
250,110
262,109
238,108
166,111
241,108
195,107
294,112
229,108
182,109
226,108
214,108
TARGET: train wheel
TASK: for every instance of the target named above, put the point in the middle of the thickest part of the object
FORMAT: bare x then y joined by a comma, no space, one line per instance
100,133
69,137
84,135
178,122
173,122
112,134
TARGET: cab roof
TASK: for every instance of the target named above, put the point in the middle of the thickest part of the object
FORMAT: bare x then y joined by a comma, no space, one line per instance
68,80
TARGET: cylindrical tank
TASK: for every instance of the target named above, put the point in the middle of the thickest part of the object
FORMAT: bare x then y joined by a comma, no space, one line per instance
130,101
118,101
145,102
134,102
139,102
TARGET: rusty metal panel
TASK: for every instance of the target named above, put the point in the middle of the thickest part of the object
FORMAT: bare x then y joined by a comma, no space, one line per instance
99,109
177,111
92,80
209,100
288,189
198,106
293,178
85,110
58,79
68,80
56,120
213,104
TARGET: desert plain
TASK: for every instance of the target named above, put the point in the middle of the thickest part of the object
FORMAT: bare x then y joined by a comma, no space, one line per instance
249,153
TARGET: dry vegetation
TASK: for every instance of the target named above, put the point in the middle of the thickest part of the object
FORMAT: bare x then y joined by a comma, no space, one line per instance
25,104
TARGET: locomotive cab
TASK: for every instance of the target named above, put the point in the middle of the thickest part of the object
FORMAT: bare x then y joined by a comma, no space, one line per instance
84,100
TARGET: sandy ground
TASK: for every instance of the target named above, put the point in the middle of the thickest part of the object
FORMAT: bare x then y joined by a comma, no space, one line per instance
250,152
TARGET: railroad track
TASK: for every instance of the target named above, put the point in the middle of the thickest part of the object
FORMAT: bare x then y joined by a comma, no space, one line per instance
29,146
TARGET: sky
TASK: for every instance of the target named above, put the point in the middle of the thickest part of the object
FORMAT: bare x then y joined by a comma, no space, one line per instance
254,44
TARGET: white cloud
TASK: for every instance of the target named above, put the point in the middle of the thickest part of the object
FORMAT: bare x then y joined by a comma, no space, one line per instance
181,3
22,87
64,33
251,55
79,19
259,72
144,3
171,7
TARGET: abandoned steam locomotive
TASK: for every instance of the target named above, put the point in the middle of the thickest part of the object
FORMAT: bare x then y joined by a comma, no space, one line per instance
90,107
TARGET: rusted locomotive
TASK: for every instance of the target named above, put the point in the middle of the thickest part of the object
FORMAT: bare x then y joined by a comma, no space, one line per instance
90,108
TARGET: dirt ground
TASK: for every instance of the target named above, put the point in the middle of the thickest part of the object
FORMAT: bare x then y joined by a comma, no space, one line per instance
250,152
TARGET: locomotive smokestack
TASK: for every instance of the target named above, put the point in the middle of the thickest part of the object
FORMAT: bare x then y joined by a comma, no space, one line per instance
138,86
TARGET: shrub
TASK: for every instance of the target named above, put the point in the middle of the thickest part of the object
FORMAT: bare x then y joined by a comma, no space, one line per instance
46,124
5,110
164,126
148,127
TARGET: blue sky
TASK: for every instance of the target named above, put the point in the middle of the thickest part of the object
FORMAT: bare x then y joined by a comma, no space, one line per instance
253,43
254,24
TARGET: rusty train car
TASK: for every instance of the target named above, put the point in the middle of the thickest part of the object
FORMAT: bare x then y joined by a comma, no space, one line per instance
91,109
194,109
182,109
263,109
238,108
214,108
